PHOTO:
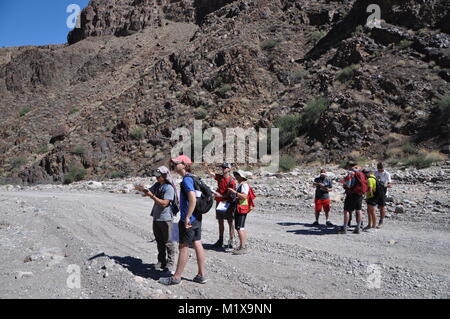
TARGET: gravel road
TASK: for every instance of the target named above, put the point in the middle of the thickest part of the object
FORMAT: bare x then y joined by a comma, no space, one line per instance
46,234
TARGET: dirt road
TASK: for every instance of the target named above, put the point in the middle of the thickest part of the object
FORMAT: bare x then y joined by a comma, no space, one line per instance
108,236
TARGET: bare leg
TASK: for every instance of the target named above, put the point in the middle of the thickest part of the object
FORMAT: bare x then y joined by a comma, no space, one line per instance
317,216
358,218
346,218
200,252
183,257
242,237
231,225
221,227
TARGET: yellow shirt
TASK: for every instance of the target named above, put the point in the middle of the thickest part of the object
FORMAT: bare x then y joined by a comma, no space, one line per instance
372,184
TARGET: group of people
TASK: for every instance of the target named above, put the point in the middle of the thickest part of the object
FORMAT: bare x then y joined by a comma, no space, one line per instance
234,199
358,184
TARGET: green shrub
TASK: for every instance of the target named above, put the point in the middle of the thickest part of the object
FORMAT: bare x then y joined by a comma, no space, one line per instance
405,44
424,159
289,126
200,114
287,163
75,174
42,149
312,112
224,89
316,36
444,115
347,73
17,162
73,111
24,111
297,76
78,150
409,148
137,133
118,174
269,44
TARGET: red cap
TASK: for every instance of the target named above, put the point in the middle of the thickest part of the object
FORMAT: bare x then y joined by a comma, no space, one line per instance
182,159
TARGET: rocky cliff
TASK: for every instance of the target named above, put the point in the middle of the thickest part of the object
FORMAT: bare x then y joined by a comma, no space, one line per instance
108,101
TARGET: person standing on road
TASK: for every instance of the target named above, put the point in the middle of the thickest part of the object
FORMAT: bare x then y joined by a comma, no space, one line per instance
322,197
190,225
243,206
165,198
355,185
384,182
224,196
371,199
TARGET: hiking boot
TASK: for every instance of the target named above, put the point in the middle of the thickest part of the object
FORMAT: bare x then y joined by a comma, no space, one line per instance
316,223
343,230
218,244
357,230
240,251
329,224
169,281
200,279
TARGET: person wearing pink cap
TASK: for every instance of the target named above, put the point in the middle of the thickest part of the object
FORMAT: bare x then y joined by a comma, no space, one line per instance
190,225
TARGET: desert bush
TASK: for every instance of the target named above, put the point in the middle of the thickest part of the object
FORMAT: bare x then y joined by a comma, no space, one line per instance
78,150
405,44
316,36
287,163
42,149
312,112
73,111
424,159
269,44
289,126
24,111
74,174
137,133
200,113
444,115
17,162
118,174
347,73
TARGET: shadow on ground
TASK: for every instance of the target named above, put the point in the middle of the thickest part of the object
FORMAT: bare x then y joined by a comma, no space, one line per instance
313,230
136,266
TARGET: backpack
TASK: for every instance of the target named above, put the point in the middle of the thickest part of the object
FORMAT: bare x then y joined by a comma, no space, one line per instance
360,186
173,203
206,200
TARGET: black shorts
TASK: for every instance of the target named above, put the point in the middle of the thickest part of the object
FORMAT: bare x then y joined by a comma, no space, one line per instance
187,236
353,202
372,201
239,221
381,201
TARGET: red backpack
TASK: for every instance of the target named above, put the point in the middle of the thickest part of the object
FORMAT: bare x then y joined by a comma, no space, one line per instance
360,186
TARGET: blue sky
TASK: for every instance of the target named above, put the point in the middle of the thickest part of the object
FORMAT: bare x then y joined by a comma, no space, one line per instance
35,22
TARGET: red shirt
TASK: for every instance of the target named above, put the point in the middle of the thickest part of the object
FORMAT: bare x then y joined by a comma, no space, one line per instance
224,184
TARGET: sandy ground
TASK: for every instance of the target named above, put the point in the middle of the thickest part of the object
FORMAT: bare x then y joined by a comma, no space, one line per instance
46,236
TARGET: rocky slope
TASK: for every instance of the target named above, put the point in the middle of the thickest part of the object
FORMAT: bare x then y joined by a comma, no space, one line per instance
109,100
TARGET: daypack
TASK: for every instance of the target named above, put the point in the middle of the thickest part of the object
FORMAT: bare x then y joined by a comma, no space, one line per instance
206,199
360,186
173,203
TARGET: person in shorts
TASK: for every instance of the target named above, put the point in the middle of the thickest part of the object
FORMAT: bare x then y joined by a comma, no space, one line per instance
371,199
190,225
322,197
223,195
384,182
352,202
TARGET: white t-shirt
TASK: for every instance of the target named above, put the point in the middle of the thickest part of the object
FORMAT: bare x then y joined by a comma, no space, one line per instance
243,188
384,177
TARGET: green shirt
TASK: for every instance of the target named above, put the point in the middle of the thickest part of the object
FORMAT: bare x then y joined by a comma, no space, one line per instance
372,184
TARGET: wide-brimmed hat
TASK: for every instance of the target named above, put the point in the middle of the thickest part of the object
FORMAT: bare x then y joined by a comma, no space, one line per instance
242,174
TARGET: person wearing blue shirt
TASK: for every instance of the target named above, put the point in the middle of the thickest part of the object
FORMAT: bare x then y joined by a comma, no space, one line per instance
190,225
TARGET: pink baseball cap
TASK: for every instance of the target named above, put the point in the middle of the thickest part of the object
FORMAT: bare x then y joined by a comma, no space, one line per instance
182,159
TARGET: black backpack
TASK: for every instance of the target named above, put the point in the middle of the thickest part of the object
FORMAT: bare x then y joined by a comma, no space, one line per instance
206,200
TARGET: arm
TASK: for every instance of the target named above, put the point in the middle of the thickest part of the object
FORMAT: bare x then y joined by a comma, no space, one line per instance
239,195
191,206
160,202
210,172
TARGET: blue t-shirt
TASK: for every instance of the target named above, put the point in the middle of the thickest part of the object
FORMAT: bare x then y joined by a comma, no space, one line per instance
187,185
